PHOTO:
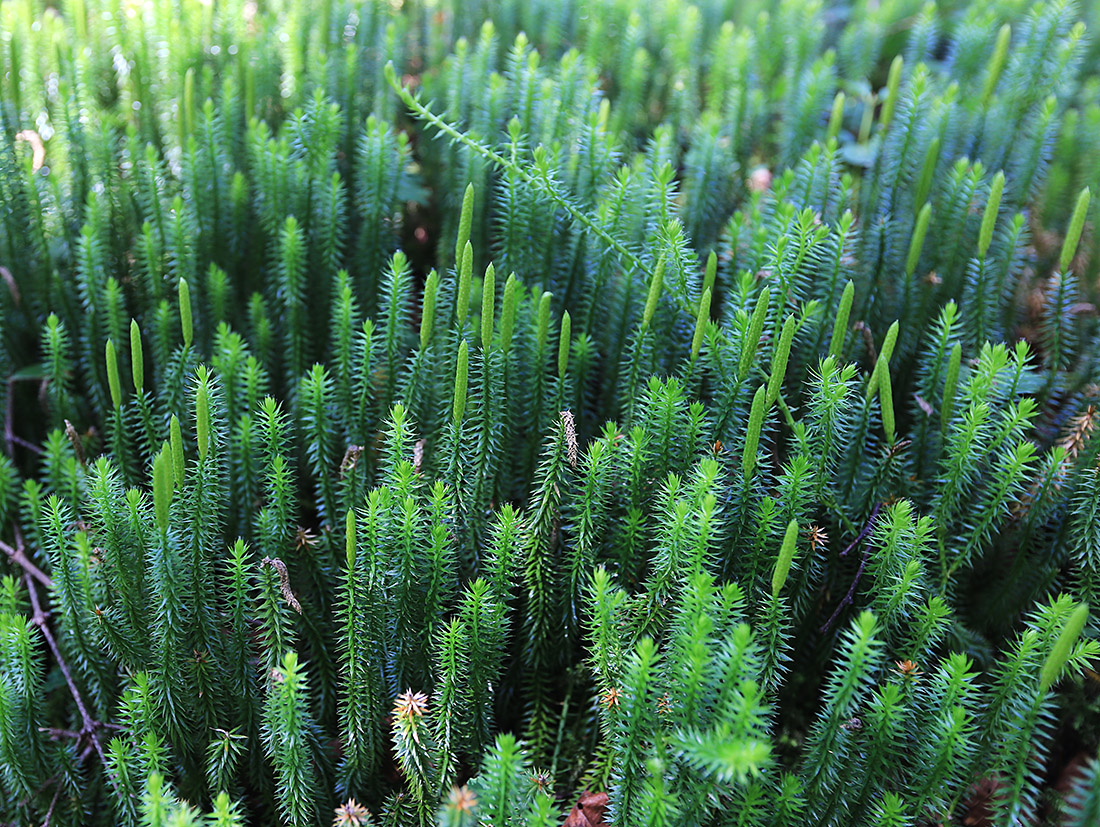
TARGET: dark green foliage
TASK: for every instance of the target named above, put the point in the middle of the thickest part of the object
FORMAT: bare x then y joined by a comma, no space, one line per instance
444,409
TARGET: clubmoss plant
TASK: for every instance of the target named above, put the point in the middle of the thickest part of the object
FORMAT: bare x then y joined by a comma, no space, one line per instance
527,413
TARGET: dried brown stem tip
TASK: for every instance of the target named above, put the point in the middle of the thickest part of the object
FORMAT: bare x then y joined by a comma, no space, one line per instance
284,582
410,704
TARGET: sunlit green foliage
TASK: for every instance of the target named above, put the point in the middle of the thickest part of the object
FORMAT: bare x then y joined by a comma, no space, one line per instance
444,408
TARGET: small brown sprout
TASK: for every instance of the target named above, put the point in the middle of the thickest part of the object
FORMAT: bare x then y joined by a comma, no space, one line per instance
462,799
304,538
611,697
410,704
906,668
541,780
819,538
351,814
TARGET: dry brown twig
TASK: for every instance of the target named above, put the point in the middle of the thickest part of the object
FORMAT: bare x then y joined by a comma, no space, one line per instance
19,557
284,582
863,534
90,727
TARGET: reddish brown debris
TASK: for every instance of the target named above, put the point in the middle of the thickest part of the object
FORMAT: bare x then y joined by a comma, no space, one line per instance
978,806
588,811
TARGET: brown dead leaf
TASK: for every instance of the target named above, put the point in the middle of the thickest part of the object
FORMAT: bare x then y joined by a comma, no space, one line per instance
588,811
978,805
